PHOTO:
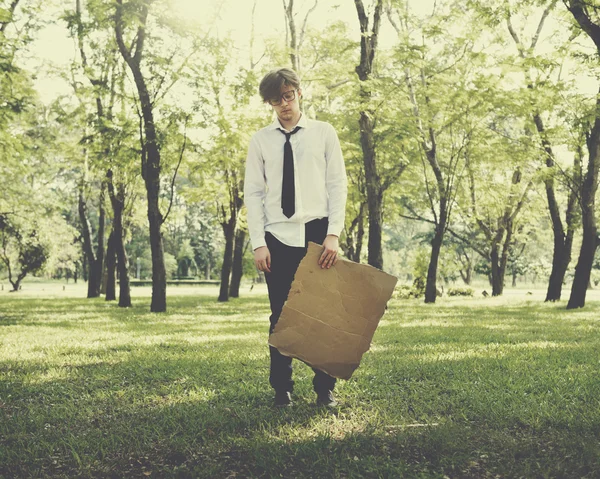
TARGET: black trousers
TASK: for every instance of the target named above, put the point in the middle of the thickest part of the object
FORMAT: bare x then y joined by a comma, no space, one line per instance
284,263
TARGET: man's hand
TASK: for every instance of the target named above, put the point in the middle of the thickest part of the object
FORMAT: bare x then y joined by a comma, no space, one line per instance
330,248
262,259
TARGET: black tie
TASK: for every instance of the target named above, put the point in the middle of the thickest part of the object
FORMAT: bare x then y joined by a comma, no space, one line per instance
288,188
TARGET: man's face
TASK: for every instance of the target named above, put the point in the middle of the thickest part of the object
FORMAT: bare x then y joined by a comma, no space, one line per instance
287,110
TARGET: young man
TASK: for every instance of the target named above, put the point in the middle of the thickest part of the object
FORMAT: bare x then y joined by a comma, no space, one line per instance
295,192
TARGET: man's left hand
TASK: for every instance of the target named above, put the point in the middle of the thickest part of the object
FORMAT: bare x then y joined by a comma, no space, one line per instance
330,249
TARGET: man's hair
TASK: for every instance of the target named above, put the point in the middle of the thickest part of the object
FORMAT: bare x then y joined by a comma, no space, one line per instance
270,86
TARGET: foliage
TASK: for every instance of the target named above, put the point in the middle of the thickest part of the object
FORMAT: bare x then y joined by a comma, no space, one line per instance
404,291
460,292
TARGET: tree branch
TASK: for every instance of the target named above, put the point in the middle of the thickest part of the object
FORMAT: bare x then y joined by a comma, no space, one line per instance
303,30
535,38
126,52
175,174
578,10
141,33
11,9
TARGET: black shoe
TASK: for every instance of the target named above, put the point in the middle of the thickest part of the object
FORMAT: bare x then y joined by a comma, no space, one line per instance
326,399
283,399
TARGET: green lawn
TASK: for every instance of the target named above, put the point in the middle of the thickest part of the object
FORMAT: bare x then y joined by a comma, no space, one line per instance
475,388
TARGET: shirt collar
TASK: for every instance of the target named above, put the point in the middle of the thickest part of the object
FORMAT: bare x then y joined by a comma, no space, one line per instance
302,123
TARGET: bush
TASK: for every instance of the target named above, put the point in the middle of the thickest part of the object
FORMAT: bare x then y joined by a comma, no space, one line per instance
460,292
404,291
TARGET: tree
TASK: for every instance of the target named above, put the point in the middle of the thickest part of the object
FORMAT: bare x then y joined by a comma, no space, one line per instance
440,84
22,250
151,161
583,13
563,233
499,230
367,122
134,14
109,133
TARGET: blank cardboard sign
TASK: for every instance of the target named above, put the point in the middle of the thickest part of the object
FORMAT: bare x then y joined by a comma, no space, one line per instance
330,315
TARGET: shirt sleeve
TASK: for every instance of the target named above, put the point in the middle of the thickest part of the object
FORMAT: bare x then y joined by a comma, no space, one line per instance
337,183
254,194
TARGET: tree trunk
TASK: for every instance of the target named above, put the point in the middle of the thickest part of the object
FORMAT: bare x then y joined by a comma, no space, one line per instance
560,262
95,261
500,259
84,268
229,231
159,273
563,246
436,246
16,284
374,194
111,267
504,257
368,48
100,241
497,281
354,236
123,266
561,255
238,263
360,234
590,183
589,243
440,227
88,250
466,273
584,264
117,200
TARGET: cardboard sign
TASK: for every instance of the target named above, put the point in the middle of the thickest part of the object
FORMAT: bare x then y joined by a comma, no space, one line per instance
330,315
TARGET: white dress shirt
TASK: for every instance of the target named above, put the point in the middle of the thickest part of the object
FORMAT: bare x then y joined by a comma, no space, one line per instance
319,178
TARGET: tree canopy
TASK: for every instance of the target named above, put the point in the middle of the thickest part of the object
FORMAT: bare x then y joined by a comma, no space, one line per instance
468,130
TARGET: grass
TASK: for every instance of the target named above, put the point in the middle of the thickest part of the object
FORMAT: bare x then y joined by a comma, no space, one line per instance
473,388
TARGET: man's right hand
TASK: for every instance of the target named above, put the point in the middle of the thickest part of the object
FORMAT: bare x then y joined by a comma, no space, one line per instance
262,259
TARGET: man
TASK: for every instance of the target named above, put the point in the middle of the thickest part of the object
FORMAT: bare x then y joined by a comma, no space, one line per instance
295,192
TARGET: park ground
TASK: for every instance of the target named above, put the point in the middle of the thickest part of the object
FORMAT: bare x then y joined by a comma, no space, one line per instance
469,387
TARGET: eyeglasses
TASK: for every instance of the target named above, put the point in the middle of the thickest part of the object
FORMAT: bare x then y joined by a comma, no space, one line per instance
288,96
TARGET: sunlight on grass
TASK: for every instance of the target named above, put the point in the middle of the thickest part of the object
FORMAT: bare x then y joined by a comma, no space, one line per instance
428,323
490,350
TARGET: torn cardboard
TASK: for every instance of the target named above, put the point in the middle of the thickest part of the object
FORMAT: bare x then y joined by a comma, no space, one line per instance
330,315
